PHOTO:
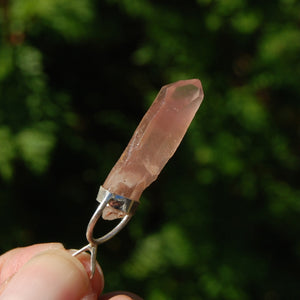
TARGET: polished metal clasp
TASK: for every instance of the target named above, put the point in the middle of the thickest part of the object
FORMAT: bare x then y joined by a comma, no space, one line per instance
106,198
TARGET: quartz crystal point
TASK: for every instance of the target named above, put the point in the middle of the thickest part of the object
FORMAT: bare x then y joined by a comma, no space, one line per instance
154,141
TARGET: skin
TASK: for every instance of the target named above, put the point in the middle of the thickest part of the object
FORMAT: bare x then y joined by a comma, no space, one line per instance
50,272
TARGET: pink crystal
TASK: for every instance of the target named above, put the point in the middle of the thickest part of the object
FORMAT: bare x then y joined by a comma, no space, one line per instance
154,141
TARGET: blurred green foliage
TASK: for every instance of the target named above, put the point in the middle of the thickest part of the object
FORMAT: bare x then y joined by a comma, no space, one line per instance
75,79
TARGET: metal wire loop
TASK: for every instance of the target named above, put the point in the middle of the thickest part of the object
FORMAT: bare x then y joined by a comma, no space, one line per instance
118,202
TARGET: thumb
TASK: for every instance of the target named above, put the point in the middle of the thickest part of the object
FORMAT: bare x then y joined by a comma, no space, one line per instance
51,275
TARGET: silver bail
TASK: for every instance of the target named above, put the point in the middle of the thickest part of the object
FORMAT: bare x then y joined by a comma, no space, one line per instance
106,198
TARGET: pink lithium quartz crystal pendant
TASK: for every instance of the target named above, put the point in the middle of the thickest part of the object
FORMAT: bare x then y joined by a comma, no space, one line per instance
154,141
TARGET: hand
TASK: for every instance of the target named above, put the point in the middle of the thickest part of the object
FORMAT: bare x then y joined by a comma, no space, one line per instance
49,272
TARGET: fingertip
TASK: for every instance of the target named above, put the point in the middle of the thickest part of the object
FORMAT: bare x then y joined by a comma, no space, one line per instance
54,273
13,260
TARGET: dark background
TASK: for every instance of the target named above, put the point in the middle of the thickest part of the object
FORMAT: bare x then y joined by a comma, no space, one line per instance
76,77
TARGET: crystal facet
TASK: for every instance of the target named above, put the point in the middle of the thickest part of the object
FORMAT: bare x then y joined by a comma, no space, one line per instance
154,141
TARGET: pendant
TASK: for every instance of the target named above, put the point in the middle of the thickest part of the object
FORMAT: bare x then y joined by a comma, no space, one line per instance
153,143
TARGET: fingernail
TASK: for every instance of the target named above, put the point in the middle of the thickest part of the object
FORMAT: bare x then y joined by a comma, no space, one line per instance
51,275
121,295
90,297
